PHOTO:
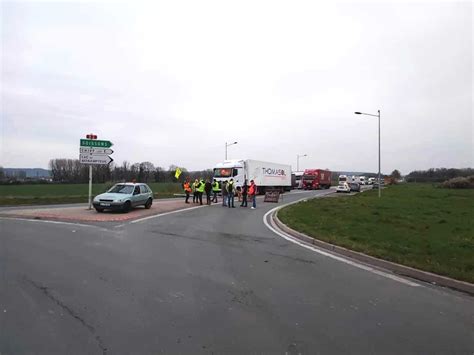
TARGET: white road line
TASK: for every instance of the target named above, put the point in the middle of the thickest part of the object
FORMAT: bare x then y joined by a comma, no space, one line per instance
163,214
172,212
53,222
330,255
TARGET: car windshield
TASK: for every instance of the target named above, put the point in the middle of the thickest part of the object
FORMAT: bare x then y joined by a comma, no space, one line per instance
223,172
122,189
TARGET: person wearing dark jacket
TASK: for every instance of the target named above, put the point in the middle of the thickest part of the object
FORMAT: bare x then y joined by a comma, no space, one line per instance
208,189
245,190
224,193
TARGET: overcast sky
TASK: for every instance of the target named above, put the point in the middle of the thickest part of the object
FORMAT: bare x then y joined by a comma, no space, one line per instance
171,82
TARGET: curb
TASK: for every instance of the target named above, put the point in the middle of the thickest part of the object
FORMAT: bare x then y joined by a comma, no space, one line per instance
373,261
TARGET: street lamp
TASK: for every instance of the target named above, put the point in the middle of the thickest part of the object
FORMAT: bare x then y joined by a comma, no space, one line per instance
228,145
377,115
298,156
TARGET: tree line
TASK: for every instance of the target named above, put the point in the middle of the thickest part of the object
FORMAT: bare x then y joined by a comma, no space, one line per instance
72,171
438,174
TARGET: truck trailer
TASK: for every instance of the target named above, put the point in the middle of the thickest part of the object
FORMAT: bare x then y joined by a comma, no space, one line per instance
314,179
265,174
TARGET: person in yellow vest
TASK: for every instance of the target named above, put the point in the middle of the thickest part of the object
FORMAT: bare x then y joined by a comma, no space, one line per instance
187,189
200,190
195,193
215,190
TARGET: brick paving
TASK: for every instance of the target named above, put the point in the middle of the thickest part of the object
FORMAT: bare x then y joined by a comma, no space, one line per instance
81,214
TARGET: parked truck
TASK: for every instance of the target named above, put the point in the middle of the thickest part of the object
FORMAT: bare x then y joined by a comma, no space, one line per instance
343,178
265,174
314,179
361,180
297,183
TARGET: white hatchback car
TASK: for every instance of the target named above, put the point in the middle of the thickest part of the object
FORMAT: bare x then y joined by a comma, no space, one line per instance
344,187
123,197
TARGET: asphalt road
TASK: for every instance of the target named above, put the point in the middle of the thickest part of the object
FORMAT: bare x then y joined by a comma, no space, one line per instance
211,280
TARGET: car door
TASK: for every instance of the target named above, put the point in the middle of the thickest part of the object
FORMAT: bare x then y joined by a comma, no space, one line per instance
136,196
143,194
149,193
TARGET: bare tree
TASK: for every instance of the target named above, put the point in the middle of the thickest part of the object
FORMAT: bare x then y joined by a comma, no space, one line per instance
396,174
147,170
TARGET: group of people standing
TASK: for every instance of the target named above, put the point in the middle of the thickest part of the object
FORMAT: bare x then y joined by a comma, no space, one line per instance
228,190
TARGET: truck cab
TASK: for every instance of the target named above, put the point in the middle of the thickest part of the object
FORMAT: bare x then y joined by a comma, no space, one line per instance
298,182
310,179
343,179
230,169
314,179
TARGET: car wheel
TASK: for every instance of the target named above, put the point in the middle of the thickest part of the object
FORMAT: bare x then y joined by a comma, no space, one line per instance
99,209
127,206
148,203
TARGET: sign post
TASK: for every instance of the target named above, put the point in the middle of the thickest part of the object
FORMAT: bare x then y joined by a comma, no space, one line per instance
94,152
90,187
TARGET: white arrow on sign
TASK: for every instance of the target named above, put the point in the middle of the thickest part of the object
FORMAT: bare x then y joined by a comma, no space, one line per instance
95,159
96,151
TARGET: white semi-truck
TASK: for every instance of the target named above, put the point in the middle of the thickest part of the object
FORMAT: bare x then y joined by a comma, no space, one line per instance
265,174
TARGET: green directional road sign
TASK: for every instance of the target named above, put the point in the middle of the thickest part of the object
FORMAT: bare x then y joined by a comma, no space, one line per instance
95,143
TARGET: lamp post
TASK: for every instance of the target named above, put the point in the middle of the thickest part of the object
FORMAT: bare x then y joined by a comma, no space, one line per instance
298,156
228,145
377,115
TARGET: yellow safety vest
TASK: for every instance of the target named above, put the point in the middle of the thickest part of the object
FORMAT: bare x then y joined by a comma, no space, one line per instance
201,187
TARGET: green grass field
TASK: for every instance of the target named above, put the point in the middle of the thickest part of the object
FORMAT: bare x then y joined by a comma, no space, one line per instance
68,193
418,225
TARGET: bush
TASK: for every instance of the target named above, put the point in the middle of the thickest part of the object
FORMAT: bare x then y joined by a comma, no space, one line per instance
459,183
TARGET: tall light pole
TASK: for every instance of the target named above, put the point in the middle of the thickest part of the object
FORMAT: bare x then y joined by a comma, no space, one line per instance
228,145
378,115
298,156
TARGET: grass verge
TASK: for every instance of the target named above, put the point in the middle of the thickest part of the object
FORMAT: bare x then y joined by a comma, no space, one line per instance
39,194
417,225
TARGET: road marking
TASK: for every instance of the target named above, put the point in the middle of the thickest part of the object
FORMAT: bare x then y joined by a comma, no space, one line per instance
53,222
195,207
162,214
330,255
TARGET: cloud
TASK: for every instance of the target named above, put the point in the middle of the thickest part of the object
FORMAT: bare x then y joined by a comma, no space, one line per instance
171,83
